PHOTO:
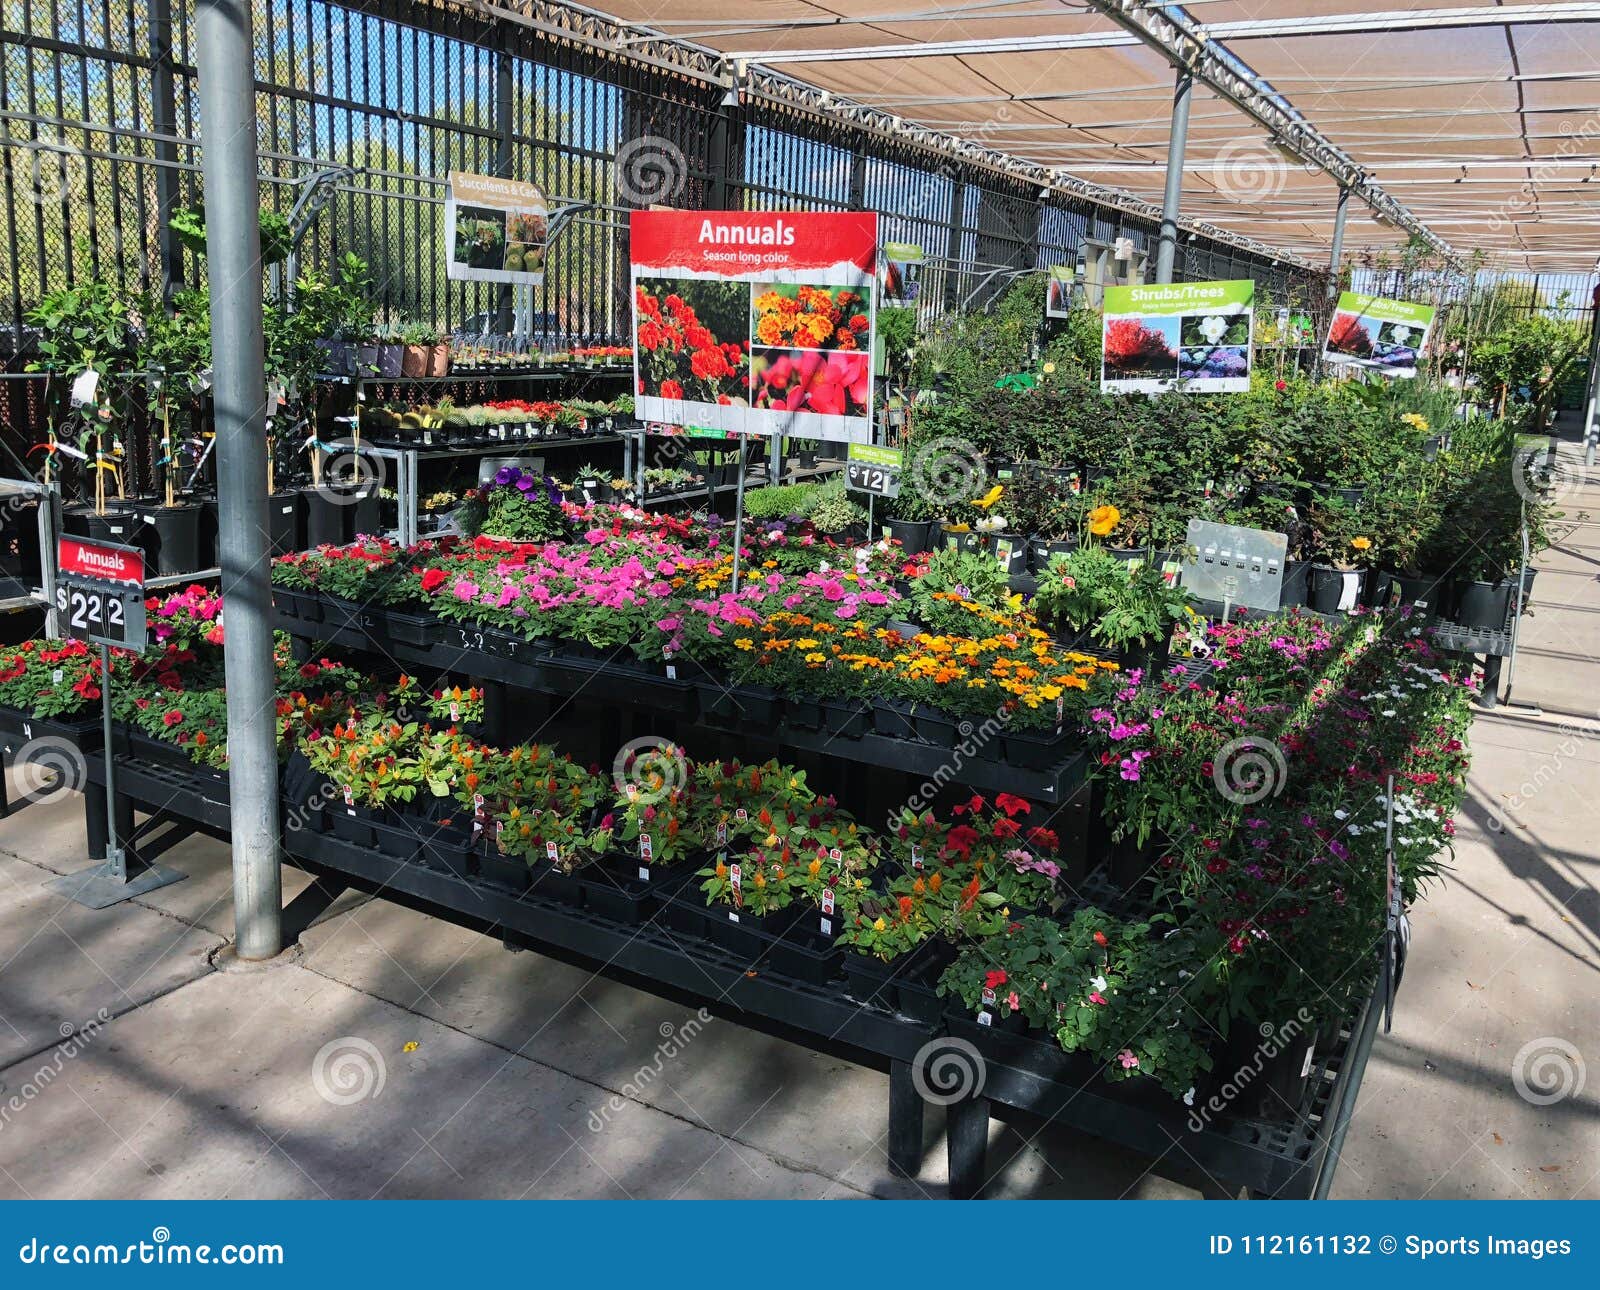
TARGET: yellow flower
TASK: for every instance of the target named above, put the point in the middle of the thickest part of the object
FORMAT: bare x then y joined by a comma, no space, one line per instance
990,498
1416,421
1103,519
878,924
1361,543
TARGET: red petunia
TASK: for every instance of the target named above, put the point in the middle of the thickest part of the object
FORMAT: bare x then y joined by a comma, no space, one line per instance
433,579
1012,805
171,718
961,840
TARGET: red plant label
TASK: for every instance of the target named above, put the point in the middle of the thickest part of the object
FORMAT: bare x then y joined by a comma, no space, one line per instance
102,561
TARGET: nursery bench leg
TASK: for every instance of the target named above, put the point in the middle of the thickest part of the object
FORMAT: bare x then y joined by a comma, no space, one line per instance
94,821
905,1122
1490,697
966,1145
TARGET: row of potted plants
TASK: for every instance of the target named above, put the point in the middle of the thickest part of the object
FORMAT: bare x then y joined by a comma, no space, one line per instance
1378,506
443,424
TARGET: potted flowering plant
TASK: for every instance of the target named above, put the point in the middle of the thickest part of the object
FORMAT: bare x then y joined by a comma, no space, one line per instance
1341,556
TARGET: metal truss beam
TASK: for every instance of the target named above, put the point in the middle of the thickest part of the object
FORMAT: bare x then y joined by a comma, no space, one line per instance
605,37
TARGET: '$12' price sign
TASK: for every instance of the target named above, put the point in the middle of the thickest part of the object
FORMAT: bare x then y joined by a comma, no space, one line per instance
870,468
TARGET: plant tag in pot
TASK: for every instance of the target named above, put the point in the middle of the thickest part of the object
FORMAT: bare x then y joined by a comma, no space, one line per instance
827,901
734,879
836,855
916,856
741,815
986,1018
987,997
646,849
349,796
722,833
552,852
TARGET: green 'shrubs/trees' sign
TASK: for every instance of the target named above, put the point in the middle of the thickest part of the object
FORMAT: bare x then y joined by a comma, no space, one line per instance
870,468
1387,336
898,286
1191,336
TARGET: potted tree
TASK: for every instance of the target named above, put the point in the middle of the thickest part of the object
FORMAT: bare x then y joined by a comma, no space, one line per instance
175,353
85,343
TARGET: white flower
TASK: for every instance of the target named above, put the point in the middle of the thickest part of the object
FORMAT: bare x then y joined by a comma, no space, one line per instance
1341,814
1388,712
1188,1098
1401,335
1214,329
1098,982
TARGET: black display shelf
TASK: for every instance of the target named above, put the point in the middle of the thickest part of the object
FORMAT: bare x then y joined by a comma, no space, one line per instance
1293,1159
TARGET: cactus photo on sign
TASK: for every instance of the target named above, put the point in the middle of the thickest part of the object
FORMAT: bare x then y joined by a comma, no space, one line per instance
495,230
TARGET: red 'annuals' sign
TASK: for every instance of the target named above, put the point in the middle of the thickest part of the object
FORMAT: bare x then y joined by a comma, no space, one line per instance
740,243
103,561
755,322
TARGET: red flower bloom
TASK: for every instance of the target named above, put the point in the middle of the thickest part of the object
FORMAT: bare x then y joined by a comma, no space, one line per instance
1012,805
670,389
961,840
1100,939
171,718
995,979
433,579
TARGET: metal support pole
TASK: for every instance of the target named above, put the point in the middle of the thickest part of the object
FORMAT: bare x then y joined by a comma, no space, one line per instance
504,124
1167,247
164,125
225,63
1336,250
1590,428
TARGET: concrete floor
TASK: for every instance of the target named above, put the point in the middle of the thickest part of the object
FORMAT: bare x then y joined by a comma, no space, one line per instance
400,1056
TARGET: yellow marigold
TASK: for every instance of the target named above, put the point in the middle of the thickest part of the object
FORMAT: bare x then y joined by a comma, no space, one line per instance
1103,519
1361,543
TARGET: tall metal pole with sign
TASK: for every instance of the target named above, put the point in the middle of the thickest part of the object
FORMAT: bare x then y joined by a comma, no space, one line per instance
100,599
225,63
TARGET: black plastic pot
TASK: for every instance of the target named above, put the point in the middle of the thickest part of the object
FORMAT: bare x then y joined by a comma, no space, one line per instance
1041,551
1333,591
285,522
327,518
1150,655
802,712
366,510
367,359
967,541
1485,606
1296,583
937,728
1011,549
1034,749
914,536
512,873
1429,593
171,537
846,718
391,360
1128,554
892,717
119,523
1380,590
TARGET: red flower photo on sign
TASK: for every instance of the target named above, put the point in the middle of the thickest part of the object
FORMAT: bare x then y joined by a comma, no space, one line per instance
691,339
837,384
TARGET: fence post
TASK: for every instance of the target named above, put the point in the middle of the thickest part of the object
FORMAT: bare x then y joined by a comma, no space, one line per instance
504,124
952,250
164,124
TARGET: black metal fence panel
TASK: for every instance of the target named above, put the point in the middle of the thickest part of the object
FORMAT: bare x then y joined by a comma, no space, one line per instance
99,139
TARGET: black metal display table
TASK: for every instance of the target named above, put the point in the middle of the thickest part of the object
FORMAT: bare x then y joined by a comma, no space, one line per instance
1294,1159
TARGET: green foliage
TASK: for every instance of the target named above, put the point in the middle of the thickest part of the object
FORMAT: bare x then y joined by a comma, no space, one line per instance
832,511
82,328
897,332
952,578
780,502
176,341
189,223
1118,602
